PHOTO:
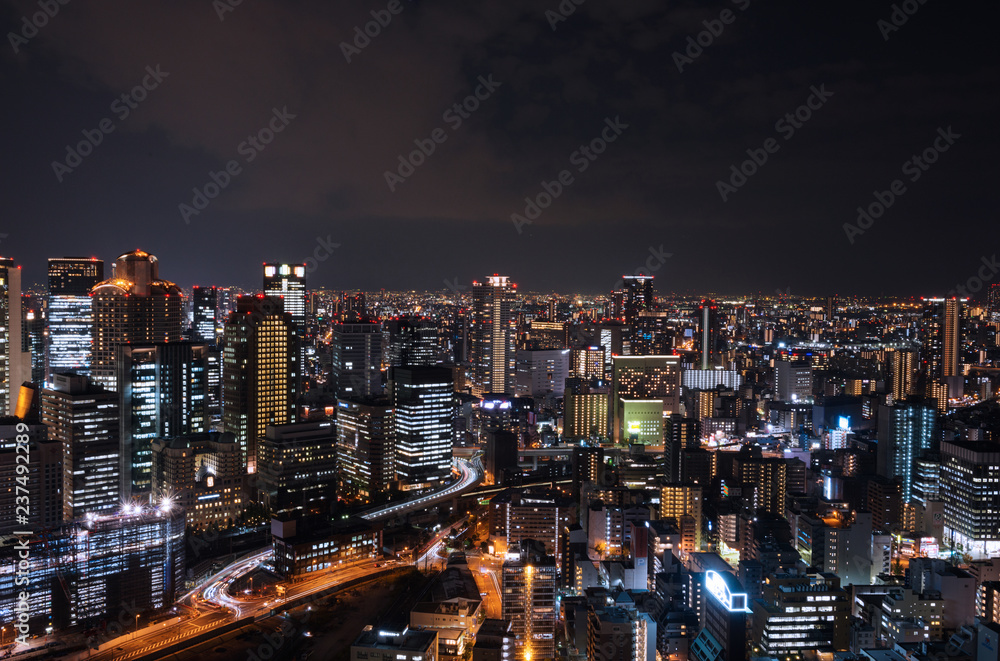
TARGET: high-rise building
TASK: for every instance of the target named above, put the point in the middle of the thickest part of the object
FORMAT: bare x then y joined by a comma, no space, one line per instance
203,474
163,393
541,372
767,476
43,480
537,513
679,433
903,367
641,386
905,431
587,362
793,381
133,306
492,336
33,335
620,634
366,457
723,636
204,303
711,343
528,585
636,296
260,372
297,467
410,341
586,405
356,350
288,282
70,313
969,472
84,419
821,620
423,407
15,363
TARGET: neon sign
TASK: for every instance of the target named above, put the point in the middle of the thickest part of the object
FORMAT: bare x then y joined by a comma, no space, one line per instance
716,586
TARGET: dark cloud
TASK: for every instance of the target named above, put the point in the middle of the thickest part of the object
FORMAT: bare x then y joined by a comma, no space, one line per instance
324,174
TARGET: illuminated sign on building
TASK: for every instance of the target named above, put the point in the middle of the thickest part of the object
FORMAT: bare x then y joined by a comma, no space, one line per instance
716,586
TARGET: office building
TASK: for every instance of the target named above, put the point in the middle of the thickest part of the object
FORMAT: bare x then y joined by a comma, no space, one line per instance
587,362
905,431
298,467
723,636
410,341
44,477
638,385
307,544
492,335
635,297
969,478
711,343
528,584
422,404
356,350
15,363
501,455
70,315
793,381
541,372
163,393
366,449
201,473
134,306
801,613
260,372
84,419
288,283
204,303
679,434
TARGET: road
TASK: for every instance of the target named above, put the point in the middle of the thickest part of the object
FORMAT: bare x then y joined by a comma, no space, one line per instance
469,476
486,569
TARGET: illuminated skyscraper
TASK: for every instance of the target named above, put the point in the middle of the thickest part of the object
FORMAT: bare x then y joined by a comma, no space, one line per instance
84,418
422,411
711,343
356,352
644,390
905,431
636,296
70,313
288,282
204,302
260,368
410,341
163,393
528,587
903,365
133,306
15,364
492,336
366,458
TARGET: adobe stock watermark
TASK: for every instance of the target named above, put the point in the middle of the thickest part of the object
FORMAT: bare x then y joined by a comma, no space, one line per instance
223,7
786,126
249,149
561,13
696,44
122,107
454,116
656,260
914,168
582,157
900,14
988,270
31,26
363,37
322,252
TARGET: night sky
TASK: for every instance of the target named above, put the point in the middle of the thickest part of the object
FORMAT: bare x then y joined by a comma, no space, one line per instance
230,71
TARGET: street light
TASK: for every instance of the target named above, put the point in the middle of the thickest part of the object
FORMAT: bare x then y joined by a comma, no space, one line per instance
136,635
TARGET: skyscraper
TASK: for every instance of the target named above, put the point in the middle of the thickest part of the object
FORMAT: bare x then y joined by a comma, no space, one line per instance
905,430
709,335
422,410
70,313
410,341
492,336
528,588
204,302
163,393
356,351
288,282
903,366
297,467
15,364
637,297
259,372
644,390
366,458
133,306
84,419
